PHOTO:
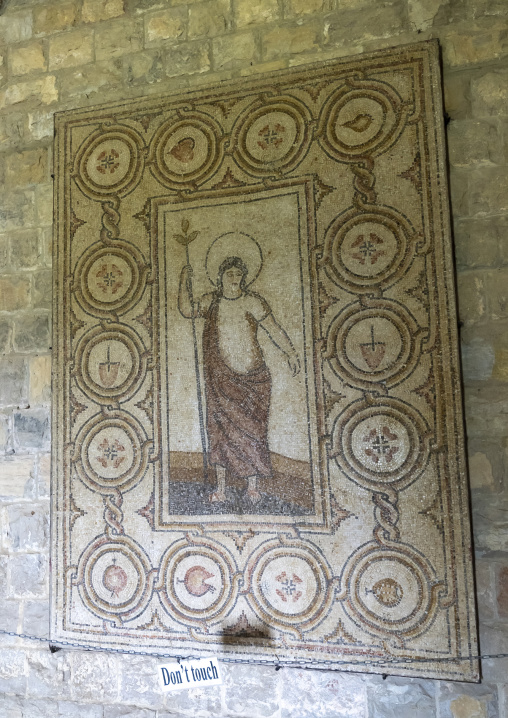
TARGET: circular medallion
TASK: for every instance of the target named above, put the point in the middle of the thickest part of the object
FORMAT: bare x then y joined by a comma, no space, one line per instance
290,586
111,453
362,118
112,578
366,249
111,363
109,162
381,442
187,151
197,581
379,342
272,136
109,279
391,590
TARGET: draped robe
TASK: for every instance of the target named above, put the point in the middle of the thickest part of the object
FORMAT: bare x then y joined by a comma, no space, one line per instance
237,403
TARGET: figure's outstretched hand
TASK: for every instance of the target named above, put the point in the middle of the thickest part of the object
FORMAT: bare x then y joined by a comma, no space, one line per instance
187,269
294,363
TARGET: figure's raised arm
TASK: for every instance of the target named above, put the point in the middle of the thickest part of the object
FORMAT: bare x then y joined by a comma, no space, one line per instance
282,341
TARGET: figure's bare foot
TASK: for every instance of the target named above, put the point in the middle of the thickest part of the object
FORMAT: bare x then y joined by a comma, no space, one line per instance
254,495
217,496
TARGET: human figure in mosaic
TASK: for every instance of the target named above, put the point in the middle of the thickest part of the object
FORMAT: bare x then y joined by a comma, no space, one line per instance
237,379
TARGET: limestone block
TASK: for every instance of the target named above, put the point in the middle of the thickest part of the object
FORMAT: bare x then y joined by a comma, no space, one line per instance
422,13
459,191
248,12
9,616
166,25
3,575
70,49
15,27
283,40
27,168
32,429
485,588
91,79
24,247
79,710
144,67
123,36
129,712
16,210
27,58
139,683
474,143
11,706
54,17
339,694
32,333
457,100
188,58
234,50
471,295
500,371
41,90
352,26
400,697
36,620
13,128
44,475
47,673
192,702
44,204
496,290
12,672
41,289
14,292
14,474
28,527
13,380
4,434
458,700
480,471
5,335
4,245
489,94
478,241
305,7
209,19
466,48
94,677
478,359
40,379
40,125
96,10
28,575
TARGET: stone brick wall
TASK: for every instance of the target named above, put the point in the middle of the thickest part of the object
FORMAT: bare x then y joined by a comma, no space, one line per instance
73,53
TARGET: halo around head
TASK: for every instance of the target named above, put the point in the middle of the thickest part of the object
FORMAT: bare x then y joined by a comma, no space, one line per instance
234,244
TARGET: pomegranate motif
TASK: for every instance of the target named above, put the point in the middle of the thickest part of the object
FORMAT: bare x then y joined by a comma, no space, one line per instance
194,581
114,580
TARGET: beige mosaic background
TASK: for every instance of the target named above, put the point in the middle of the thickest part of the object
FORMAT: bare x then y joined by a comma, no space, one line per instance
63,55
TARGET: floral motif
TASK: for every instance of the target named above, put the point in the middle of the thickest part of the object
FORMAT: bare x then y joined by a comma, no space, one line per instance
109,278
381,445
107,162
110,454
289,587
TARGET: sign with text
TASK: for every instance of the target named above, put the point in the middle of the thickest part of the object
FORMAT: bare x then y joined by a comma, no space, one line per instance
188,674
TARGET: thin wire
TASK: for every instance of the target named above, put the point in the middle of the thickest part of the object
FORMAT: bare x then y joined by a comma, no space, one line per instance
369,662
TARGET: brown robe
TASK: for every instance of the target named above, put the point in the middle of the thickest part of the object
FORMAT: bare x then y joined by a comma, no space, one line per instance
237,408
